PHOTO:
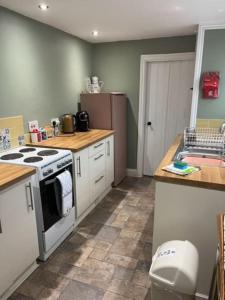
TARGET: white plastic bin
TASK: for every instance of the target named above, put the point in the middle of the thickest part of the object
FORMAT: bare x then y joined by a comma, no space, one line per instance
174,271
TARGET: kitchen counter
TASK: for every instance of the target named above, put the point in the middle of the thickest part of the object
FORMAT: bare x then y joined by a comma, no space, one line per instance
10,174
75,142
208,177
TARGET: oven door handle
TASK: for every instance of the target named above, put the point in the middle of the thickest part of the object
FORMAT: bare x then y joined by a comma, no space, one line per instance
58,196
50,181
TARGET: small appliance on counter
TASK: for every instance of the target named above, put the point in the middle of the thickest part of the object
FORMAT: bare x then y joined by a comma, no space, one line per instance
68,123
82,121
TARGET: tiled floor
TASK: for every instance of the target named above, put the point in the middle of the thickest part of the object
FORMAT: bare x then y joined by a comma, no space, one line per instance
109,255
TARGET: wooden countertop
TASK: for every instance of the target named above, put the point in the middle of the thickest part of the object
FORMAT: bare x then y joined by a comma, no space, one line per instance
75,142
10,174
208,177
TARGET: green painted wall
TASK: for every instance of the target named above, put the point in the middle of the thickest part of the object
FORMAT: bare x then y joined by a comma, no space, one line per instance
42,69
213,60
118,65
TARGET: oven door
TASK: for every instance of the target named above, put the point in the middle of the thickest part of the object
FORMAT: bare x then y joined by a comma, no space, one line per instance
49,199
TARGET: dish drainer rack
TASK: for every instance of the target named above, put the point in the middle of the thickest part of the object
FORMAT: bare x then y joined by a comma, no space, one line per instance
204,138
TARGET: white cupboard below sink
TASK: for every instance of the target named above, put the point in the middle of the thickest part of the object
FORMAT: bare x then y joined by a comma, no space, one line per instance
94,175
18,236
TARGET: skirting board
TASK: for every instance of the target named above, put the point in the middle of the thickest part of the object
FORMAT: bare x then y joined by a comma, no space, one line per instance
199,296
132,173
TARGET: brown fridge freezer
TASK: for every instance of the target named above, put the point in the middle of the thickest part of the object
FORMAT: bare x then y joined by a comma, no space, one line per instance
109,111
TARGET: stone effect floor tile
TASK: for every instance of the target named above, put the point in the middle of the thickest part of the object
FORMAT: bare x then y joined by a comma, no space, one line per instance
99,254
128,289
113,296
107,233
126,247
141,278
17,296
123,273
78,290
49,294
107,257
123,261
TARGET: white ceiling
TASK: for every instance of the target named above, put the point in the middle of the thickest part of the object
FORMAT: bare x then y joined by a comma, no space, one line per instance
123,19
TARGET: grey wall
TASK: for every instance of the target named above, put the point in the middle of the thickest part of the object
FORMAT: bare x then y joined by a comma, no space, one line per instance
118,65
42,69
213,60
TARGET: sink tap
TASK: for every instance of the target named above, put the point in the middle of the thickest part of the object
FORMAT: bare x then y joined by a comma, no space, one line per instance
222,127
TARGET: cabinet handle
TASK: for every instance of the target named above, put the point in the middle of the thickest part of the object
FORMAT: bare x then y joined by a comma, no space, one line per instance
96,146
78,166
96,158
108,150
99,179
1,227
31,205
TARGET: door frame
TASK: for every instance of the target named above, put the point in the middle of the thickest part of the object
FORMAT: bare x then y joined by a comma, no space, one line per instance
145,59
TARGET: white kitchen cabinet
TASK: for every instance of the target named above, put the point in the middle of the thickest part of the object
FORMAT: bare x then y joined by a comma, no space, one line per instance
81,170
94,174
109,142
18,234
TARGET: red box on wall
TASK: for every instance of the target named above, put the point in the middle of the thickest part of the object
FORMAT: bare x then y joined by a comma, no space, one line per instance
210,85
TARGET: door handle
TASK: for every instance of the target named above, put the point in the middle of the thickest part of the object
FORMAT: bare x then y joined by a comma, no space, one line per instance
149,123
1,227
99,179
31,205
96,158
96,146
78,166
108,152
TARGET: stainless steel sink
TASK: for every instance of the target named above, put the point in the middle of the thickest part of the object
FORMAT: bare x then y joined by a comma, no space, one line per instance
204,154
191,153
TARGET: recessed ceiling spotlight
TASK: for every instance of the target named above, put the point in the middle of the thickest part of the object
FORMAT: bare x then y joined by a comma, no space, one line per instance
220,10
43,6
95,33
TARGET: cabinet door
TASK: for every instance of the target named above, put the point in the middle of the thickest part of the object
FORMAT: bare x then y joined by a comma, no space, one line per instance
18,233
109,161
81,181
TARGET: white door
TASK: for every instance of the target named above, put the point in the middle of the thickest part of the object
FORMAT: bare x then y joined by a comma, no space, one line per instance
168,107
18,233
81,169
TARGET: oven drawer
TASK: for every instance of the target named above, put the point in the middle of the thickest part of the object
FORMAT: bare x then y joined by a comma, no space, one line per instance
58,230
97,147
97,163
98,185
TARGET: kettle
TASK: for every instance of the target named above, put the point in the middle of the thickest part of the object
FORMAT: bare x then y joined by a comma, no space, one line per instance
68,123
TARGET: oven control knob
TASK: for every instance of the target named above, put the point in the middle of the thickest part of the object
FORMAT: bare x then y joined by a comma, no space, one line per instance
59,166
50,171
45,173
